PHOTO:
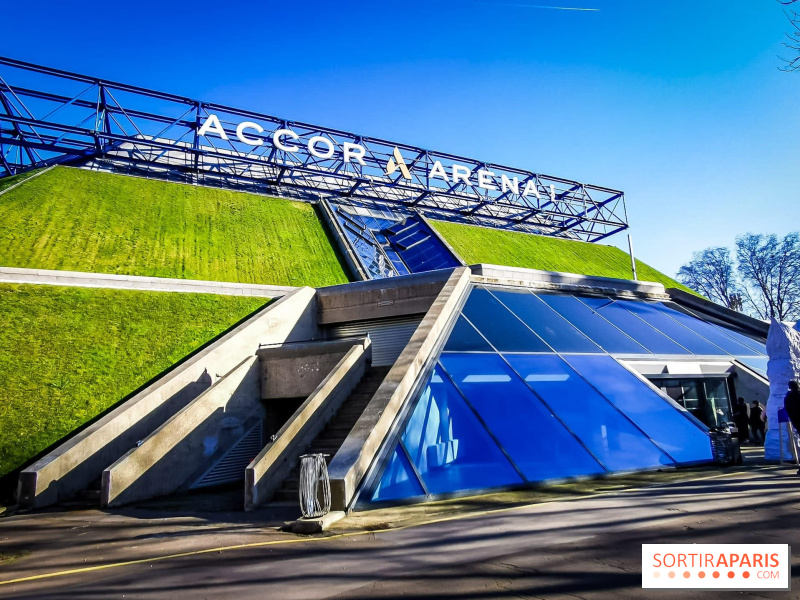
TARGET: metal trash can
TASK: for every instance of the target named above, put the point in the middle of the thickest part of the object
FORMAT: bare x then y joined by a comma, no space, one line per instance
315,486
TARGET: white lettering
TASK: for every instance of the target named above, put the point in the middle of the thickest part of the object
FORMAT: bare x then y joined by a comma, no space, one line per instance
461,173
354,151
552,193
280,133
437,170
318,139
530,188
248,140
213,125
485,181
509,185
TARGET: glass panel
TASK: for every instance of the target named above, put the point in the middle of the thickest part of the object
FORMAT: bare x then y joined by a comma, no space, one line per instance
464,338
690,399
668,326
718,399
398,479
449,446
590,323
648,337
548,324
503,330
744,340
758,363
708,331
664,423
613,440
537,442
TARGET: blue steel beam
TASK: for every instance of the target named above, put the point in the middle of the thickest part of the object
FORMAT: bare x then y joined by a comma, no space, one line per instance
128,132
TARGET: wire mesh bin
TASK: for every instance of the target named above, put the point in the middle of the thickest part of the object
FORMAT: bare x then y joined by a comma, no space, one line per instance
725,448
315,486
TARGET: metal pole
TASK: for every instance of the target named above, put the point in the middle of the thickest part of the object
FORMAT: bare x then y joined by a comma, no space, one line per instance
633,260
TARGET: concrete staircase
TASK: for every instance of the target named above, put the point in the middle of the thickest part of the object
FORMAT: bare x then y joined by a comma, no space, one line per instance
332,437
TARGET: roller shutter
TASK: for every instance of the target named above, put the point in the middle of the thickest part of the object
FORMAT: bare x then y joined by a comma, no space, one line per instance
389,336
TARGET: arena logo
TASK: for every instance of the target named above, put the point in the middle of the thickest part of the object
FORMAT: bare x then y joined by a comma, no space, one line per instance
323,148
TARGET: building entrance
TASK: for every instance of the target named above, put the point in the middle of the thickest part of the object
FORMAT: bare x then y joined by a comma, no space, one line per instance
706,398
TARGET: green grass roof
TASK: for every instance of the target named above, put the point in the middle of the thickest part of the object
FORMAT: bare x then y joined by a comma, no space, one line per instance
73,219
516,249
68,354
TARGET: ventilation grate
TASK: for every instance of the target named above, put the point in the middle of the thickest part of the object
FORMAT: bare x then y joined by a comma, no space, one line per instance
230,468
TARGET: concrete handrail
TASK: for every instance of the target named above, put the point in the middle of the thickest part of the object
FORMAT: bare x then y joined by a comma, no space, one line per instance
79,461
267,471
130,478
520,276
359,450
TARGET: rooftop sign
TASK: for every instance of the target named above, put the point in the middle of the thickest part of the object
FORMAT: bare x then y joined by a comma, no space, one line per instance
48,115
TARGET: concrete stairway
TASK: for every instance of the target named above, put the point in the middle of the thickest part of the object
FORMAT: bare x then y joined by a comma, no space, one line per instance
332,437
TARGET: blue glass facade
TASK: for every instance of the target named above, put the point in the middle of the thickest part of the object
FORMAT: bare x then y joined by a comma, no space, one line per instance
529,388
388,243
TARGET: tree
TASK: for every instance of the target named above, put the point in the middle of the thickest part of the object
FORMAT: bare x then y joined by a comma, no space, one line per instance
769,269
793,38
711,272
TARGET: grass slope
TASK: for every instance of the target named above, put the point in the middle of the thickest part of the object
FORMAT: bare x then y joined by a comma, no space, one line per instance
515,249
67,354
7,182
79,220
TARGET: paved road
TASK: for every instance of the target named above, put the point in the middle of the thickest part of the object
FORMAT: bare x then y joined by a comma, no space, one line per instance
589,548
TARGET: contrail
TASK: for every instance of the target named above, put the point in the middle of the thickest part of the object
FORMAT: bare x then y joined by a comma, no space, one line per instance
552,7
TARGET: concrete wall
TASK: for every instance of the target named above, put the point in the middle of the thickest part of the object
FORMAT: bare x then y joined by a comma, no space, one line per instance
189,442
135,282
750,385
268,470
74,465
355,456
566,282
295,370
380,298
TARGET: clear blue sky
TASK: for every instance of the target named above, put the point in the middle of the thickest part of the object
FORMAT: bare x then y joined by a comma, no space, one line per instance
679,103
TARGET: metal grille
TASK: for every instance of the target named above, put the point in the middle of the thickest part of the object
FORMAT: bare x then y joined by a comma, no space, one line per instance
230,468
389,336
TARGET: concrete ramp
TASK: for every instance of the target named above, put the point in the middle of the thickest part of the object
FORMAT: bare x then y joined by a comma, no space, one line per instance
79,462
192,441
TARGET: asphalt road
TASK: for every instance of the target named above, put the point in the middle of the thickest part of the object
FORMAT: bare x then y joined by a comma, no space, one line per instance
587,548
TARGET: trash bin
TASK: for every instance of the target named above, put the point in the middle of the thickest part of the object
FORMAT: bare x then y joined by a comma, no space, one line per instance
725,447
315,486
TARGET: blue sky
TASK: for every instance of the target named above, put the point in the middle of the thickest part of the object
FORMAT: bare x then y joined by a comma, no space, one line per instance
678,103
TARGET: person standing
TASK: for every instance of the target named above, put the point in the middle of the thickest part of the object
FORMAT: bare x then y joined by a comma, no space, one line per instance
757,424
740,419
791,402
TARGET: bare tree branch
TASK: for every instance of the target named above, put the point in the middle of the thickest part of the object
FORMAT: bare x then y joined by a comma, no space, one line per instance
792,64
711,272
769,269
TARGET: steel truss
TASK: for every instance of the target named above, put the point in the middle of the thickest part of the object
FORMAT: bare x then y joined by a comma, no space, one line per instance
50,116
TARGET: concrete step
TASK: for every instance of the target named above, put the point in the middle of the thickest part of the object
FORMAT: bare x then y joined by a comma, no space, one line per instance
283,495
334,434
89,496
